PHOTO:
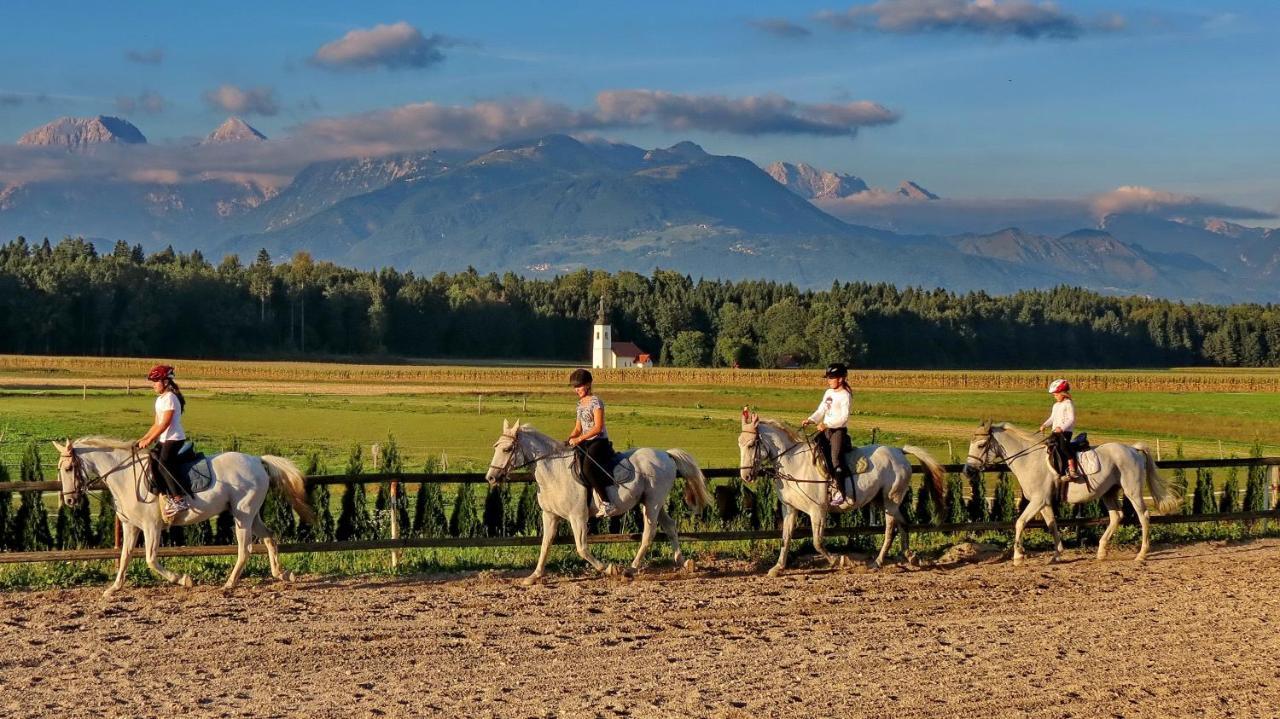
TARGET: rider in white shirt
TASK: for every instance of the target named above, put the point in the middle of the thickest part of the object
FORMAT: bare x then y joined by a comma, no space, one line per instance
1061,423
168,432
832,418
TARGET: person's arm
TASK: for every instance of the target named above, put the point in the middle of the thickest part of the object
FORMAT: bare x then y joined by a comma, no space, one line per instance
817,413
577,430
162,423
1048,422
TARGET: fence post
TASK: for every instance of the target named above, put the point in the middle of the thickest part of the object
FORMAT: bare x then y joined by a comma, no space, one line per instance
395,521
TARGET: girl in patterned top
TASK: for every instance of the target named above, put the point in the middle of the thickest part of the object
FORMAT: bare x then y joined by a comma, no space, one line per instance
590,439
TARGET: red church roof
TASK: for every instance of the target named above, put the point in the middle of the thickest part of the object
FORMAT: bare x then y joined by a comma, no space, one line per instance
627,349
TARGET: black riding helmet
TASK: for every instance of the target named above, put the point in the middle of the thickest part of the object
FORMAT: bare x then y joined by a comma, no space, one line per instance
579,377
836,369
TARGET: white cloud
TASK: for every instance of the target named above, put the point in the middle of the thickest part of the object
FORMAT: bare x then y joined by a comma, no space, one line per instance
150,103
243,101
1020,18
1134,199
396,46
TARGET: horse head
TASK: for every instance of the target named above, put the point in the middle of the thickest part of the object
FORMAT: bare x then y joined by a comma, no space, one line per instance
70,473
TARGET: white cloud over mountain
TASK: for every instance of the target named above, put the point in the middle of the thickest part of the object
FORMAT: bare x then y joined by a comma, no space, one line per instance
395,46
243,101
1018,18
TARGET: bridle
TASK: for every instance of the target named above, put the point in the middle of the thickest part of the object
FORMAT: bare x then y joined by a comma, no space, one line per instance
505,470
82,483
984,463
765,464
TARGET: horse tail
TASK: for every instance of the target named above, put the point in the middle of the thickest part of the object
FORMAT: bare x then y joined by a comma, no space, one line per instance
286,476
696,494
935,476
1166,498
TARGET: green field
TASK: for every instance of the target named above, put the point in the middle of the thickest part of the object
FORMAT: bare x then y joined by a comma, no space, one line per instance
460,423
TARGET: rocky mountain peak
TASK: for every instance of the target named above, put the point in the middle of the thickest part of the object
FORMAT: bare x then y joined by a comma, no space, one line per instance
811,183
233,129
81,132
914,191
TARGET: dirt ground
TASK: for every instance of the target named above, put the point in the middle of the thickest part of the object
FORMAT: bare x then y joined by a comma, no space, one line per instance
1191,633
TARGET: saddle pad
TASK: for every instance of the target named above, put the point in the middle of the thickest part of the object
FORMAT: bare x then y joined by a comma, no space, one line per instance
198,474
857,459
623,470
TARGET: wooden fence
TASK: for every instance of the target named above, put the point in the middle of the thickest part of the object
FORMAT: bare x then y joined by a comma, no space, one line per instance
702,536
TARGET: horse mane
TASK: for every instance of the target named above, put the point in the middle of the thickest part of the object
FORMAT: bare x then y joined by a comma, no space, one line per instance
1019,433
790,433
99,442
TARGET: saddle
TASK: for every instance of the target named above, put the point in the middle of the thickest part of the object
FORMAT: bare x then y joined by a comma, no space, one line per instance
195,470
855,460
620,460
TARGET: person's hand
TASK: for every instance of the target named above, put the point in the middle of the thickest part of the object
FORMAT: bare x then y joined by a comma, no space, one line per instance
141,444
806,422
822,427
572,441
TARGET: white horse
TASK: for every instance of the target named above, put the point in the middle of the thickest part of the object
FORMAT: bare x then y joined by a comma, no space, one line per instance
240,483
803,488
561,495
1120,468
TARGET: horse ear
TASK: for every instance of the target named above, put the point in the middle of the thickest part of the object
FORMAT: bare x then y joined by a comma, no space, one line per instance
62,449
505,426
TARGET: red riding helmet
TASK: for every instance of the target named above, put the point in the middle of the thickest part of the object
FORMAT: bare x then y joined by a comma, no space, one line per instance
160,373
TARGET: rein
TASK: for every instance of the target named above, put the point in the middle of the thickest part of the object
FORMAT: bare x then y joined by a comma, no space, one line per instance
505,471
984,463
758,468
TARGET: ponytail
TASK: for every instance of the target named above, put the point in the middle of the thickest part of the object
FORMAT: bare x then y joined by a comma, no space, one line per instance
173,387
844,385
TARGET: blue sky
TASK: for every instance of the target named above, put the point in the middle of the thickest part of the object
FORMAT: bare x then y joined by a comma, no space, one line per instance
1183,97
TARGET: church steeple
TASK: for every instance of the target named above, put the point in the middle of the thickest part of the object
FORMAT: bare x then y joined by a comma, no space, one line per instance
602,342
600,318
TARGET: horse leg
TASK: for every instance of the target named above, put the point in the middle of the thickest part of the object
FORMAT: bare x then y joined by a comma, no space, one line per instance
549,524
788,526
819,530
1052,523
128,538
1112,503
263,532
646,535
890,526
1033,507
1144,518
669,528
151,548
578,523
244,540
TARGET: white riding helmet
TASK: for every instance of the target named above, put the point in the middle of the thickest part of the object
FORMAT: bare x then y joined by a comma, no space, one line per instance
1059,385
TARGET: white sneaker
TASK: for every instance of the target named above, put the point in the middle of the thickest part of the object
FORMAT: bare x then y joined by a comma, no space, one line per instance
837,498
604,510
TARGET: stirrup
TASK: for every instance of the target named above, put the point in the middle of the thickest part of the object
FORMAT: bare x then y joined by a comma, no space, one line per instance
174,507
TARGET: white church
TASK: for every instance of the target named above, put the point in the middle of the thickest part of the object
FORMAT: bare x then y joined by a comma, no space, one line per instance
607,354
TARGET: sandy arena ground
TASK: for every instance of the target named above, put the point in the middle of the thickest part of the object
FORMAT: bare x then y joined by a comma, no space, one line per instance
1191,633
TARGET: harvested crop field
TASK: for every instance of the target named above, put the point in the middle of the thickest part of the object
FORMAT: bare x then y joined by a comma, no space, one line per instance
1190,633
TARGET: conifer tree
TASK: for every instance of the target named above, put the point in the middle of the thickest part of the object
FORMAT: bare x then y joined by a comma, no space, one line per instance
466,520
1203,502
954,511
1255,488
1230,500
429,518
104,527
528,513
6,509
353,520
1004,507
31,523
977,507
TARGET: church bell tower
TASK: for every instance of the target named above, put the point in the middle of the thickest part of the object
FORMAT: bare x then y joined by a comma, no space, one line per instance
601,341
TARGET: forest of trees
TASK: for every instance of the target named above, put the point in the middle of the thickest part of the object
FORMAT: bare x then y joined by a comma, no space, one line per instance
70,299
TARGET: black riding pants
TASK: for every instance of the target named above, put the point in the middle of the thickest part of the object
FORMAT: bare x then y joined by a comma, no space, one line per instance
594,455
1059,446
164,468
832,442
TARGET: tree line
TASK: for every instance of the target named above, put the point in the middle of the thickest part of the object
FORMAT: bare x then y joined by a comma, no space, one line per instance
68,298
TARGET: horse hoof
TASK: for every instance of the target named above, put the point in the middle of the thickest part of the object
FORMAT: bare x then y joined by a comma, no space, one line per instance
1017,561
1140,558
108,592
610,571
874,564
530,581
1056,559
688,566
775,571
185,581
228,586
288,577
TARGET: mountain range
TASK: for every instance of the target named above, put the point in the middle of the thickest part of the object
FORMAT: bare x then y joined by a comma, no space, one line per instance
556,203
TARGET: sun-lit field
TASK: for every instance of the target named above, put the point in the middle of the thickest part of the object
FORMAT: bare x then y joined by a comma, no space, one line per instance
457,411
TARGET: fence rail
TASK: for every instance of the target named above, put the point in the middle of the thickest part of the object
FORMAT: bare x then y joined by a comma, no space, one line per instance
711,473
703,536
727,536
